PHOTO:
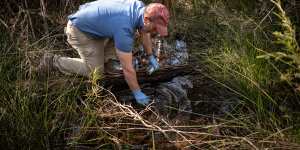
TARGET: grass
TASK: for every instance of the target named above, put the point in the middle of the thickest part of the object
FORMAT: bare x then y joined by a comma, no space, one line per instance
73,112
234,44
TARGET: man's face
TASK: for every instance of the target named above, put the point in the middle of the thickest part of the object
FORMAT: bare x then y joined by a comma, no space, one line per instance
149,27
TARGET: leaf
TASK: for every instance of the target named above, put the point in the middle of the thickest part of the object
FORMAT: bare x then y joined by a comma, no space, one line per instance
263,56
297,75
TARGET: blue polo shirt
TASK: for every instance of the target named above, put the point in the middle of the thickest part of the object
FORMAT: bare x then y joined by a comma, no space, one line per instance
116,19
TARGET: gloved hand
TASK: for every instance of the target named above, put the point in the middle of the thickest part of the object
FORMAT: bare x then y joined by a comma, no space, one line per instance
140,97
153,65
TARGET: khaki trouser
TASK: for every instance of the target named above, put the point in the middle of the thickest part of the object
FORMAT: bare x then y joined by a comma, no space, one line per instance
93,53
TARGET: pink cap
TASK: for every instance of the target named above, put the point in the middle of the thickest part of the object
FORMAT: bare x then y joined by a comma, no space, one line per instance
160,16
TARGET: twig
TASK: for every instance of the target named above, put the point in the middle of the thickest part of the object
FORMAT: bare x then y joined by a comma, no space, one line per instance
44,14
3,22
268,14
29,19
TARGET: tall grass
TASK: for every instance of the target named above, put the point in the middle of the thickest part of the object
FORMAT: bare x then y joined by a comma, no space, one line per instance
288,48
232,61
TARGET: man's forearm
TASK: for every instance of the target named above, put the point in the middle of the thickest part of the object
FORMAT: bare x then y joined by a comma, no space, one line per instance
128,70
147,43
131,79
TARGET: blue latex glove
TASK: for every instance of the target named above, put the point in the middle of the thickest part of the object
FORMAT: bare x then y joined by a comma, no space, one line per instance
153,65
140,97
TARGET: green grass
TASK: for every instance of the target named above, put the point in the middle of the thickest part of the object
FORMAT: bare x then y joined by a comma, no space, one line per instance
31,115
233,42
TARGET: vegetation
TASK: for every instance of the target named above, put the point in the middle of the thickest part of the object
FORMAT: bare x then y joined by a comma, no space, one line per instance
249,52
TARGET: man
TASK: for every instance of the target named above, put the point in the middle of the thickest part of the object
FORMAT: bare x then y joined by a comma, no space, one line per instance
102,29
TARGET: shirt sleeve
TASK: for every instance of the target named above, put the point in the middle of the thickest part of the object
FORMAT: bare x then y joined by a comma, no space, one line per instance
124,40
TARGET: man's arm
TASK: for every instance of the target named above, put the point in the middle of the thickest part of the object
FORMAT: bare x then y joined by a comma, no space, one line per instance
147,43
130,77
128,70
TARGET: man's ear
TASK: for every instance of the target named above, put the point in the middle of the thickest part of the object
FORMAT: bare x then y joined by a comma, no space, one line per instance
147,19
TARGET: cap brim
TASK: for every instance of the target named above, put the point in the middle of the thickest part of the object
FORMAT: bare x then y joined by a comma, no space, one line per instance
162,30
